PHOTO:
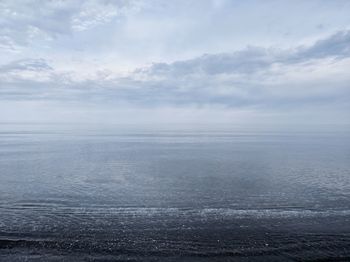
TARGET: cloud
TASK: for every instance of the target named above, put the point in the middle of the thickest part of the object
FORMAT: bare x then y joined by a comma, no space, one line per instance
337,45
253,79
246,61
258,76
26,65
23,21
254,59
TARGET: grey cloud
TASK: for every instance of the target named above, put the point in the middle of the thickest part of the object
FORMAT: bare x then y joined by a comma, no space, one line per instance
337,45
21,21
242,79
26,65
253,59
245,61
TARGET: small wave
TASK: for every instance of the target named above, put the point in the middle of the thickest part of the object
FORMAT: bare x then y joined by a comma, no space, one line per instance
64,207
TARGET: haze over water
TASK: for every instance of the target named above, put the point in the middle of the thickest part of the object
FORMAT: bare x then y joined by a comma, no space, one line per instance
117,193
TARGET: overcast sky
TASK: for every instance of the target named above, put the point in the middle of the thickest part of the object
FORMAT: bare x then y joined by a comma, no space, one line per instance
213,61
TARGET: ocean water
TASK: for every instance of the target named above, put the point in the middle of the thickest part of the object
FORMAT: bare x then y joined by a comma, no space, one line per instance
168,195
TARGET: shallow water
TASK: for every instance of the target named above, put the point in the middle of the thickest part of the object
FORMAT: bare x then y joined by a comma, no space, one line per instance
122,194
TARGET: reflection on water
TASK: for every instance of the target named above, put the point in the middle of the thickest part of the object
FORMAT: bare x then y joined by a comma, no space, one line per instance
122,194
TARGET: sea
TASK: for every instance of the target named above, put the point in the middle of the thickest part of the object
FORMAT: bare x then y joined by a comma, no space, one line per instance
87,193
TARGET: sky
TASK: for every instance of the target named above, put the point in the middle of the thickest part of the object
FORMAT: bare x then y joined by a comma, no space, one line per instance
233,62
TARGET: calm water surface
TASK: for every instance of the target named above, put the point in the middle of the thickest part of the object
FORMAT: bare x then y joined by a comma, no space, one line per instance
220,195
